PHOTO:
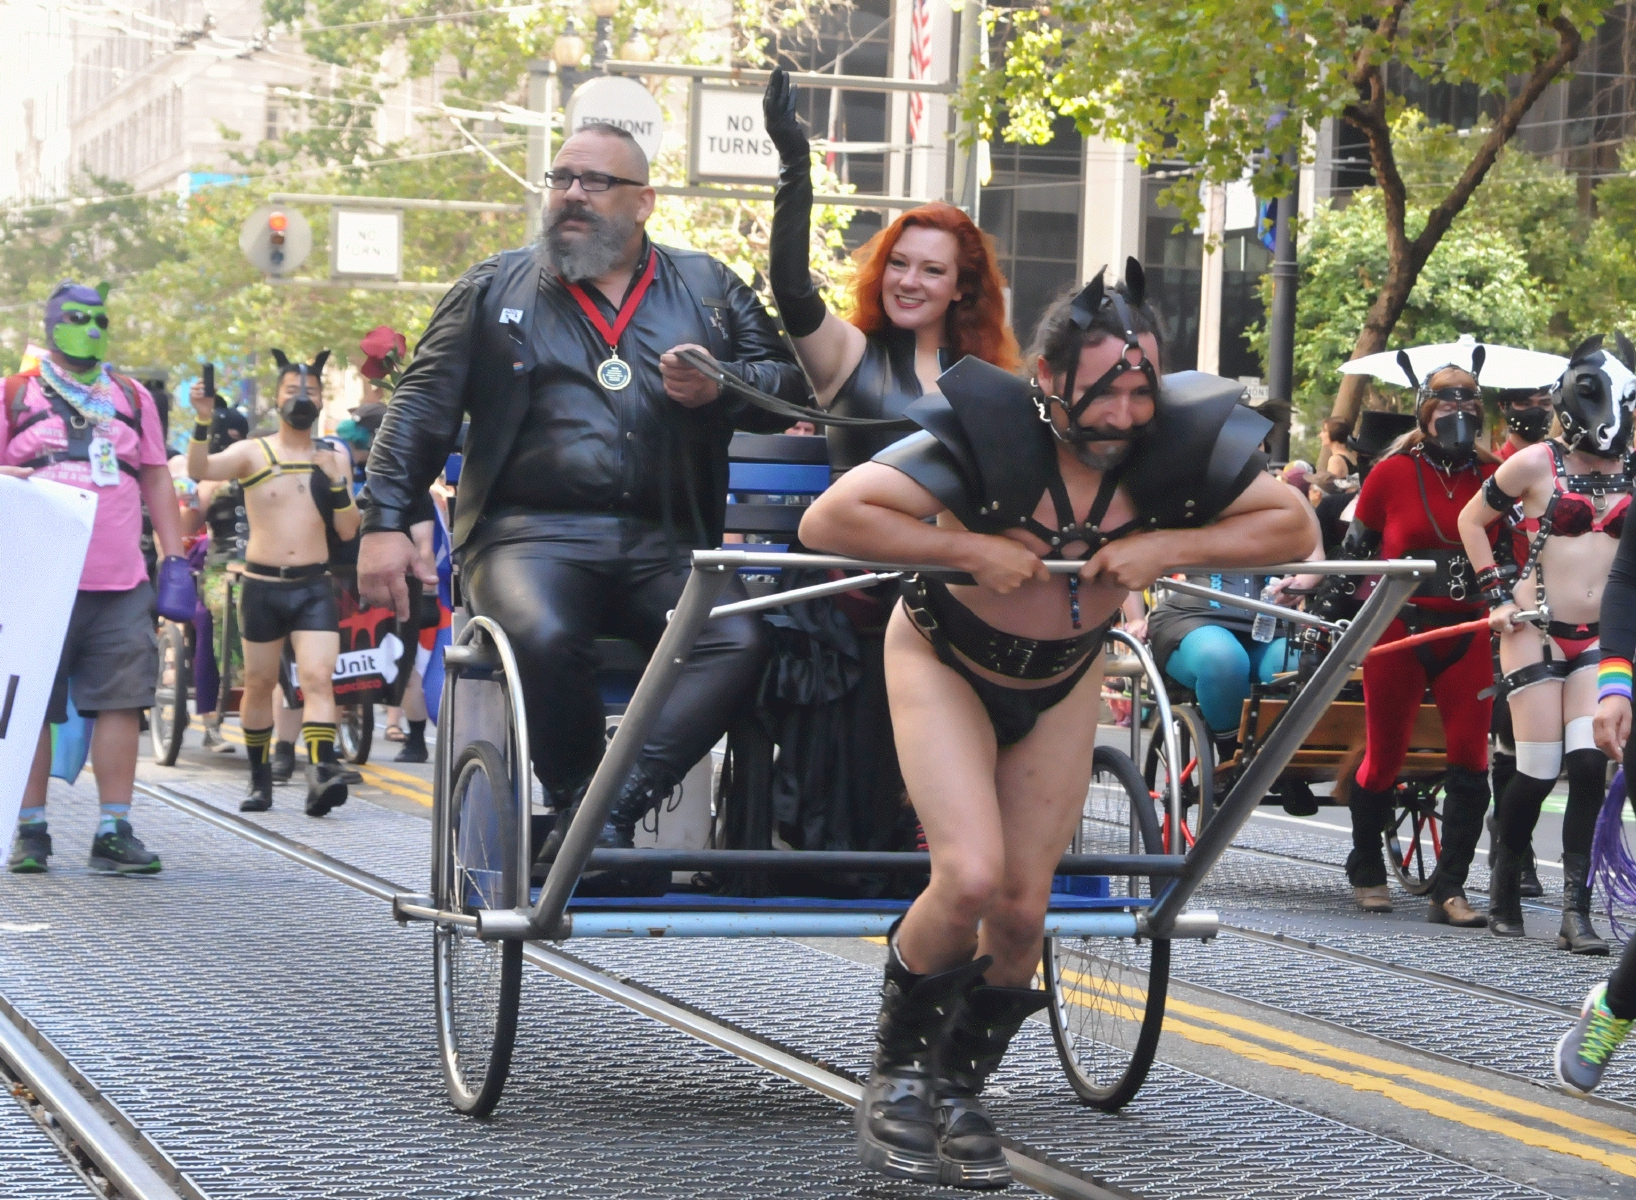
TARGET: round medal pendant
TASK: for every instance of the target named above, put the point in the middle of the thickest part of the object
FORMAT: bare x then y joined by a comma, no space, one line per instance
614,374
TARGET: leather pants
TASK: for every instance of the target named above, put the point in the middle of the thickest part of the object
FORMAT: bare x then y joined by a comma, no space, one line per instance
557,581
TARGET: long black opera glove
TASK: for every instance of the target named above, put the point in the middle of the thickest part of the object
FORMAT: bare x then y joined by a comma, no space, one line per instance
798,301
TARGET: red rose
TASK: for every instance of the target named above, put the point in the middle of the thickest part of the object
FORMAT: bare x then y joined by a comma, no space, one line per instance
382,341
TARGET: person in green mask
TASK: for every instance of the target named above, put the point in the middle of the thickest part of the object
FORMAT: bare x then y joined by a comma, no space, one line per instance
74,421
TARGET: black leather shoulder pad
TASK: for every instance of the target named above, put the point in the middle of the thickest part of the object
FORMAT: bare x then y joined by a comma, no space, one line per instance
987,429
929,462
1203,451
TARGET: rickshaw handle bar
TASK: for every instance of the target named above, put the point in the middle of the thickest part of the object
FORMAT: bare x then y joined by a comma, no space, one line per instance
1259,606
885,861
734,559
1295,724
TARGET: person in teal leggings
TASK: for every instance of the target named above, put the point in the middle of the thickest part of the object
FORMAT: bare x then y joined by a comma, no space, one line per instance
1206,647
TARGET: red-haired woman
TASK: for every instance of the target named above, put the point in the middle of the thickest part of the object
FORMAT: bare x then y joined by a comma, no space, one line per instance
927,294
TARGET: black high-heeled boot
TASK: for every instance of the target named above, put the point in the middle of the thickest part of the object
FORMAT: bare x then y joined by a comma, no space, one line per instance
645,790
970,1051
1577,935
896,1124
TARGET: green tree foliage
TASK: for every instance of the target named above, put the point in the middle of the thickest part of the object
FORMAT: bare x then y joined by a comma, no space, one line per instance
1228,88
1478,282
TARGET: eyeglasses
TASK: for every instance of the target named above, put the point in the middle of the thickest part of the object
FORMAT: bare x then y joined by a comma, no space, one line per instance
76,316
559,180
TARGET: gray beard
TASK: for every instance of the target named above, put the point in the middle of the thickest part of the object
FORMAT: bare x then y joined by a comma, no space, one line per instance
590,255
1100,460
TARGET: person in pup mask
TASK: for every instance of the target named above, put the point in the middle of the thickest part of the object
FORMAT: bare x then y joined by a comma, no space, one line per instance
1408,508
294,492
73,421
1574,492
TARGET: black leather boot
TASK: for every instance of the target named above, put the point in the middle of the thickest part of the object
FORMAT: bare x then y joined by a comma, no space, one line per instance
283,760
1504,900
1529,888
897,1125
1577,935
260,796
326,788
971,1049
646,789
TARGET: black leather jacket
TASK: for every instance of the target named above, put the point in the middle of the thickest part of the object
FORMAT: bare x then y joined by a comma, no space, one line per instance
511,349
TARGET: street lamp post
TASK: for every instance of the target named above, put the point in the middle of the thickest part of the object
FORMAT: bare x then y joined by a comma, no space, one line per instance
603,11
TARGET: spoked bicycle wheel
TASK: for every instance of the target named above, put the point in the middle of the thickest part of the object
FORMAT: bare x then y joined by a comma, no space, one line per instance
1108,994
1196,750
355,731
1414,839
477,983
167,720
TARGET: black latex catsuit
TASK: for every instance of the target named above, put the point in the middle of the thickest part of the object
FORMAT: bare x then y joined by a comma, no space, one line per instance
883,384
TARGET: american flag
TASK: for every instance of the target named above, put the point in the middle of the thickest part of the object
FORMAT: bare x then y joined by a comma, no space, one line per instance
920,62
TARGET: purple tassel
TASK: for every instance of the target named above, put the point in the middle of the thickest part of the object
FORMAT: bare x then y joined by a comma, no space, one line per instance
1613,869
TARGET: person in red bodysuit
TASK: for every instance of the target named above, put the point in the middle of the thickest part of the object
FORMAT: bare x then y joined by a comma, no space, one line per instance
1408,508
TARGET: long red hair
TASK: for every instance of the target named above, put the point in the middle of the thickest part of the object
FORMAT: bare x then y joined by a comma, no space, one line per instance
975,324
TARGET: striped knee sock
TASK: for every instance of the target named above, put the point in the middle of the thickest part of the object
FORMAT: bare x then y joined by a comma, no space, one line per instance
255,744
320,739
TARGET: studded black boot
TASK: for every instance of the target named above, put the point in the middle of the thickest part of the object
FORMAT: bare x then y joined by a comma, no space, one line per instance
1577,935
971,1049
896,1123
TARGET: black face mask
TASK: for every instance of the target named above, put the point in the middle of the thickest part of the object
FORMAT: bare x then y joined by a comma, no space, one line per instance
1453,438
299,411
1530,424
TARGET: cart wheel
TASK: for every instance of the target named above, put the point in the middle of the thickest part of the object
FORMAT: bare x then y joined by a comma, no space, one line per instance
167,720
1414,839
476,982
356,732
1108,994
1197,748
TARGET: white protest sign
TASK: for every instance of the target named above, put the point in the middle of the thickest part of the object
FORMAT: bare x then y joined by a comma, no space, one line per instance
625,103
366,243
48,527
730,141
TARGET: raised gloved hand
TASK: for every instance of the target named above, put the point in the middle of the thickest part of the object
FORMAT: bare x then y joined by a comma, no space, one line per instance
783,126
790,247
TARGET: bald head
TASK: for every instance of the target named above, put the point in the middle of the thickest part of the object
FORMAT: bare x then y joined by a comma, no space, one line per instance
616,146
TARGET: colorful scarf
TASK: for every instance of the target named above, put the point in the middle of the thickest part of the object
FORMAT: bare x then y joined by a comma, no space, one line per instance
93,401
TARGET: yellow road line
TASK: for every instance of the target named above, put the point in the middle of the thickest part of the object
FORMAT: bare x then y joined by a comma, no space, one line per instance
1376,1075
372,775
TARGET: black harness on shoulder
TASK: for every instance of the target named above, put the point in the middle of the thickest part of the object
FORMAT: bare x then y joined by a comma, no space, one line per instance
78,429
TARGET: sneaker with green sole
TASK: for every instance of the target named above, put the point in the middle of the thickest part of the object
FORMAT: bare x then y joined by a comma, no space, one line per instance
30,850
1583,1053
121,852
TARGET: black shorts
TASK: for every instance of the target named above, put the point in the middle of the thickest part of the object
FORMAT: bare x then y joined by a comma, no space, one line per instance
269,611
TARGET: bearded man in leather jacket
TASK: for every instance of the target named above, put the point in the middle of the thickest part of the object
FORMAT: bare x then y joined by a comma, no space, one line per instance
596,461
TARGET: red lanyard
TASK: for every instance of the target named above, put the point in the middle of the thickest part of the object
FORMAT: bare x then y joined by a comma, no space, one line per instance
627,310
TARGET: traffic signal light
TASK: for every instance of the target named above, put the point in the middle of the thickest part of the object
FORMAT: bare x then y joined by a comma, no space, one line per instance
277,224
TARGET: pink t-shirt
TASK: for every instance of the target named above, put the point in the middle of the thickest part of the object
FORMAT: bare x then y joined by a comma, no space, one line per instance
113,563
